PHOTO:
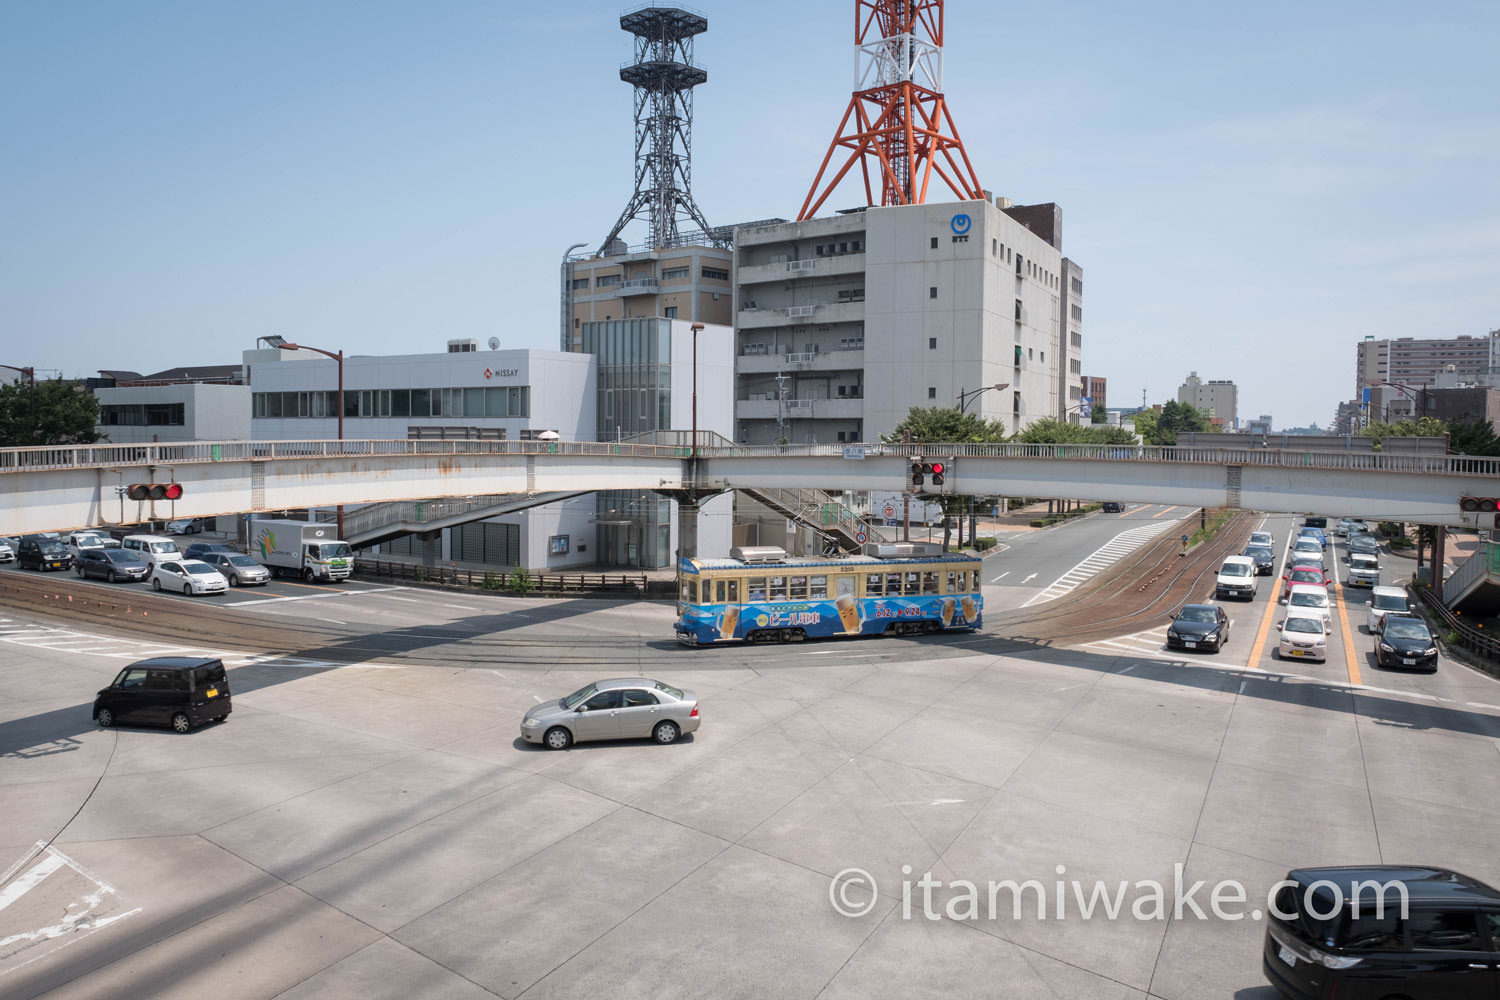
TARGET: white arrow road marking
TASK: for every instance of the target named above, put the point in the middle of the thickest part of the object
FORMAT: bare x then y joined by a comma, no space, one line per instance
1002,576
1029,579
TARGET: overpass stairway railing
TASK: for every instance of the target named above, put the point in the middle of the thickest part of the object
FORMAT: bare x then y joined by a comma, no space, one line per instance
822,512
1479,570
369,524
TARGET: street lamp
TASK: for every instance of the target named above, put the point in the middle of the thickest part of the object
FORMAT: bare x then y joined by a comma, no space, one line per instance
696,327
339,357
964,397
567,296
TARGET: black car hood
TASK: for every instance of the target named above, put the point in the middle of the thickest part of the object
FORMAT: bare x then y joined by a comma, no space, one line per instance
1405,645
1194,628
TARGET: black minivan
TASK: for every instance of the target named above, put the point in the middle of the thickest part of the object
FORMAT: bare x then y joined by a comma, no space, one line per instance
42,552
177,691
1442,940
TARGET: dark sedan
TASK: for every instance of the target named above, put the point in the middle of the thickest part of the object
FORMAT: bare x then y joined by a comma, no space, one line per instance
1264,558
1199,626
112,565
1406,642
1365,544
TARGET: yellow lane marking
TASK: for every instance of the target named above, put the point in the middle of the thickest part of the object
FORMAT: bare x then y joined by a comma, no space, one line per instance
1350,656
1167,511
1265,625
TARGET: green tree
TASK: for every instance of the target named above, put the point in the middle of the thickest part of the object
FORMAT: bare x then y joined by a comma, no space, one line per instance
56,411
1473,437
1050,430
1178,418
940,424
1097,415
1421,427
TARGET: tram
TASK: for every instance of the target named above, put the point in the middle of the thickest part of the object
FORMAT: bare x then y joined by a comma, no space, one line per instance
761,595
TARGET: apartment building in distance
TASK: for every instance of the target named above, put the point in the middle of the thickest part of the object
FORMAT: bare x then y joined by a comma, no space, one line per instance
844,323
1409,361
1095,389
689,282
1216,398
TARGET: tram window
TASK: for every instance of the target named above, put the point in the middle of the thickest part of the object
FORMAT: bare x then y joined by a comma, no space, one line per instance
817,588
757,588
778,588
953,584
798,591
893,585
718,591
687,591
963,579
734,591
872,585
929,582
913,583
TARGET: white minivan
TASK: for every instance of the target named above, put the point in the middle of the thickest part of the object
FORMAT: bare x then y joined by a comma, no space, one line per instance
152,548
1236,578
1384,601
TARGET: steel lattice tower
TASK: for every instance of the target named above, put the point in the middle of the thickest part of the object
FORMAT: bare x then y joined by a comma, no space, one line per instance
898,116
664,77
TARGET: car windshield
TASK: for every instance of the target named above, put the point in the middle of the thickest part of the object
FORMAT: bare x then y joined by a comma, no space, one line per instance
1259,552
1363,562
1307,576
1261,536
49,546
1234,569
163,546
1198,615
1398,629
1309,599
88,542
1388,602
334,550
1313,625
1307,545
240,561
578,697
202,569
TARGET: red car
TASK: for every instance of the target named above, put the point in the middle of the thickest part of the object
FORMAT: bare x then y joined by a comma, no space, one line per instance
1303,573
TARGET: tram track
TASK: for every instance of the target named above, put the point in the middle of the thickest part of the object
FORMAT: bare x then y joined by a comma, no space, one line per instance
1145,588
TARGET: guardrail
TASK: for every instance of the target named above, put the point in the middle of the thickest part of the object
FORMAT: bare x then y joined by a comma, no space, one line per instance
1484,563
94,455
1486,648
515,583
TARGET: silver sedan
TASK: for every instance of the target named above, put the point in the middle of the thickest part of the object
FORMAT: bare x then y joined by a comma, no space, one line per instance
622,708
238,569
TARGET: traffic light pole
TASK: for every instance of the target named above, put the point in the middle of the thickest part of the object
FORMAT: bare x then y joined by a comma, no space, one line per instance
906,505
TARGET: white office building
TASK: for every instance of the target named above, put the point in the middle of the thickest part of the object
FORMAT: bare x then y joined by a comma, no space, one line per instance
844,323
192,411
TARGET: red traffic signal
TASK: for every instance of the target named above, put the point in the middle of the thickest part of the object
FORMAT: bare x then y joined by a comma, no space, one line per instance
937,473
154,491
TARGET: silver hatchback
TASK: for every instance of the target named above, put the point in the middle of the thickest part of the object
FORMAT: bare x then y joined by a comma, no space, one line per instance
618,709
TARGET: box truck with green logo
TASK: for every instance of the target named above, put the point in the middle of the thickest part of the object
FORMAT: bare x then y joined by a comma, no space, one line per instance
307,549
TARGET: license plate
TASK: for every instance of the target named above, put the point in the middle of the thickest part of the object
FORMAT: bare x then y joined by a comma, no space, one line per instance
1286,955
1299,652
1190,645
212,692
1407,661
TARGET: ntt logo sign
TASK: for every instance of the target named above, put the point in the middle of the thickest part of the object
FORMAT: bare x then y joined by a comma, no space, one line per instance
960,224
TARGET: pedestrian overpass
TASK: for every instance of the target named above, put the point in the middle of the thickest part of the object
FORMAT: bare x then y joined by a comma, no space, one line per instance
57,488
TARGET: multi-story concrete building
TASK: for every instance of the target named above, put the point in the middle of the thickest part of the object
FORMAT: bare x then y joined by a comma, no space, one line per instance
1096,389
689,282
844,323
1070,349
1412,362
197,403
1217,398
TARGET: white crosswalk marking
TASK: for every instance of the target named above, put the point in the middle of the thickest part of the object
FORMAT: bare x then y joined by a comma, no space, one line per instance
1150,641
86,644
1108,553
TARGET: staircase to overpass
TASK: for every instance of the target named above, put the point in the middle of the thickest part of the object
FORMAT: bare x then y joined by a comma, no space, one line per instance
1474,586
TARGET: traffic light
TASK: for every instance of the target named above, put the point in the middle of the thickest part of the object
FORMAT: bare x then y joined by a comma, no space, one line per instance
1481,506
937,473
918,470
154,491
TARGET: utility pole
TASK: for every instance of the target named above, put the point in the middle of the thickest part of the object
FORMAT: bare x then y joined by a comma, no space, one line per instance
906,502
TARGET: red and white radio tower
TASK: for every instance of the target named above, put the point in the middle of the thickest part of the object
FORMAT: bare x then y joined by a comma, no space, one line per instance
898,116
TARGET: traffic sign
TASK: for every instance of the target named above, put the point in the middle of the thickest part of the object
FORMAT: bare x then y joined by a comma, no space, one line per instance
859,536
890,511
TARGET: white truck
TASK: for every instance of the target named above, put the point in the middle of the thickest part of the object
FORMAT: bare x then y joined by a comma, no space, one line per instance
307,549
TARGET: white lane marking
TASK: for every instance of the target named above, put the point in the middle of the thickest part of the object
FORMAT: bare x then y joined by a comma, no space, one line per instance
498,674
393,597
30,880
460,607
1108,553
1002,576
1128,669
276,600
332,621
538,700
1028,580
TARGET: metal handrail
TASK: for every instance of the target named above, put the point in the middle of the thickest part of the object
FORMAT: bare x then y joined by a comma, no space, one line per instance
1485,646
1485,562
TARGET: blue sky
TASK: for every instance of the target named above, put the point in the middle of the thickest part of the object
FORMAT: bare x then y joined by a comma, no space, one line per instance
1249,189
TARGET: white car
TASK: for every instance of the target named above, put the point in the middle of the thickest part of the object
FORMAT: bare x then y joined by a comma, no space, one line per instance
1261,538
188,576
1303,637
7,550
185,526
1236,578
1309,550
1306,599
1384,601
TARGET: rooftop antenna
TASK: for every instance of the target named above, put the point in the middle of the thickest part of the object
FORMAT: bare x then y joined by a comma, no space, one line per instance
664,76
898,116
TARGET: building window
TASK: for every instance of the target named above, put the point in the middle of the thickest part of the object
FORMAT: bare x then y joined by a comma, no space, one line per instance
716,273
932,292
1018,310
674,273
580,284
932,392
934,243
143,415
841,436
608,280
1020,265
557,545
854,246
932,343
670,312
994,247
1076,310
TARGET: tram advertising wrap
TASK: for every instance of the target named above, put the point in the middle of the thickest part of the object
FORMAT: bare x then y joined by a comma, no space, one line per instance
727,600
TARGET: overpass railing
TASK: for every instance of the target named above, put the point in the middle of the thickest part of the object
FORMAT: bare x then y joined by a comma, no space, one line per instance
97,455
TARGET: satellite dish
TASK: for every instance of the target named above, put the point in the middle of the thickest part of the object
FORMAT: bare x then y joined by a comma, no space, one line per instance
494,343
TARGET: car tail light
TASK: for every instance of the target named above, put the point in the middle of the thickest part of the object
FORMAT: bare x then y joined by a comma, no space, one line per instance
694,713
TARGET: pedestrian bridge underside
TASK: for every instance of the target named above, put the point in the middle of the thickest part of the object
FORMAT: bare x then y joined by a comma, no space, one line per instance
53,489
